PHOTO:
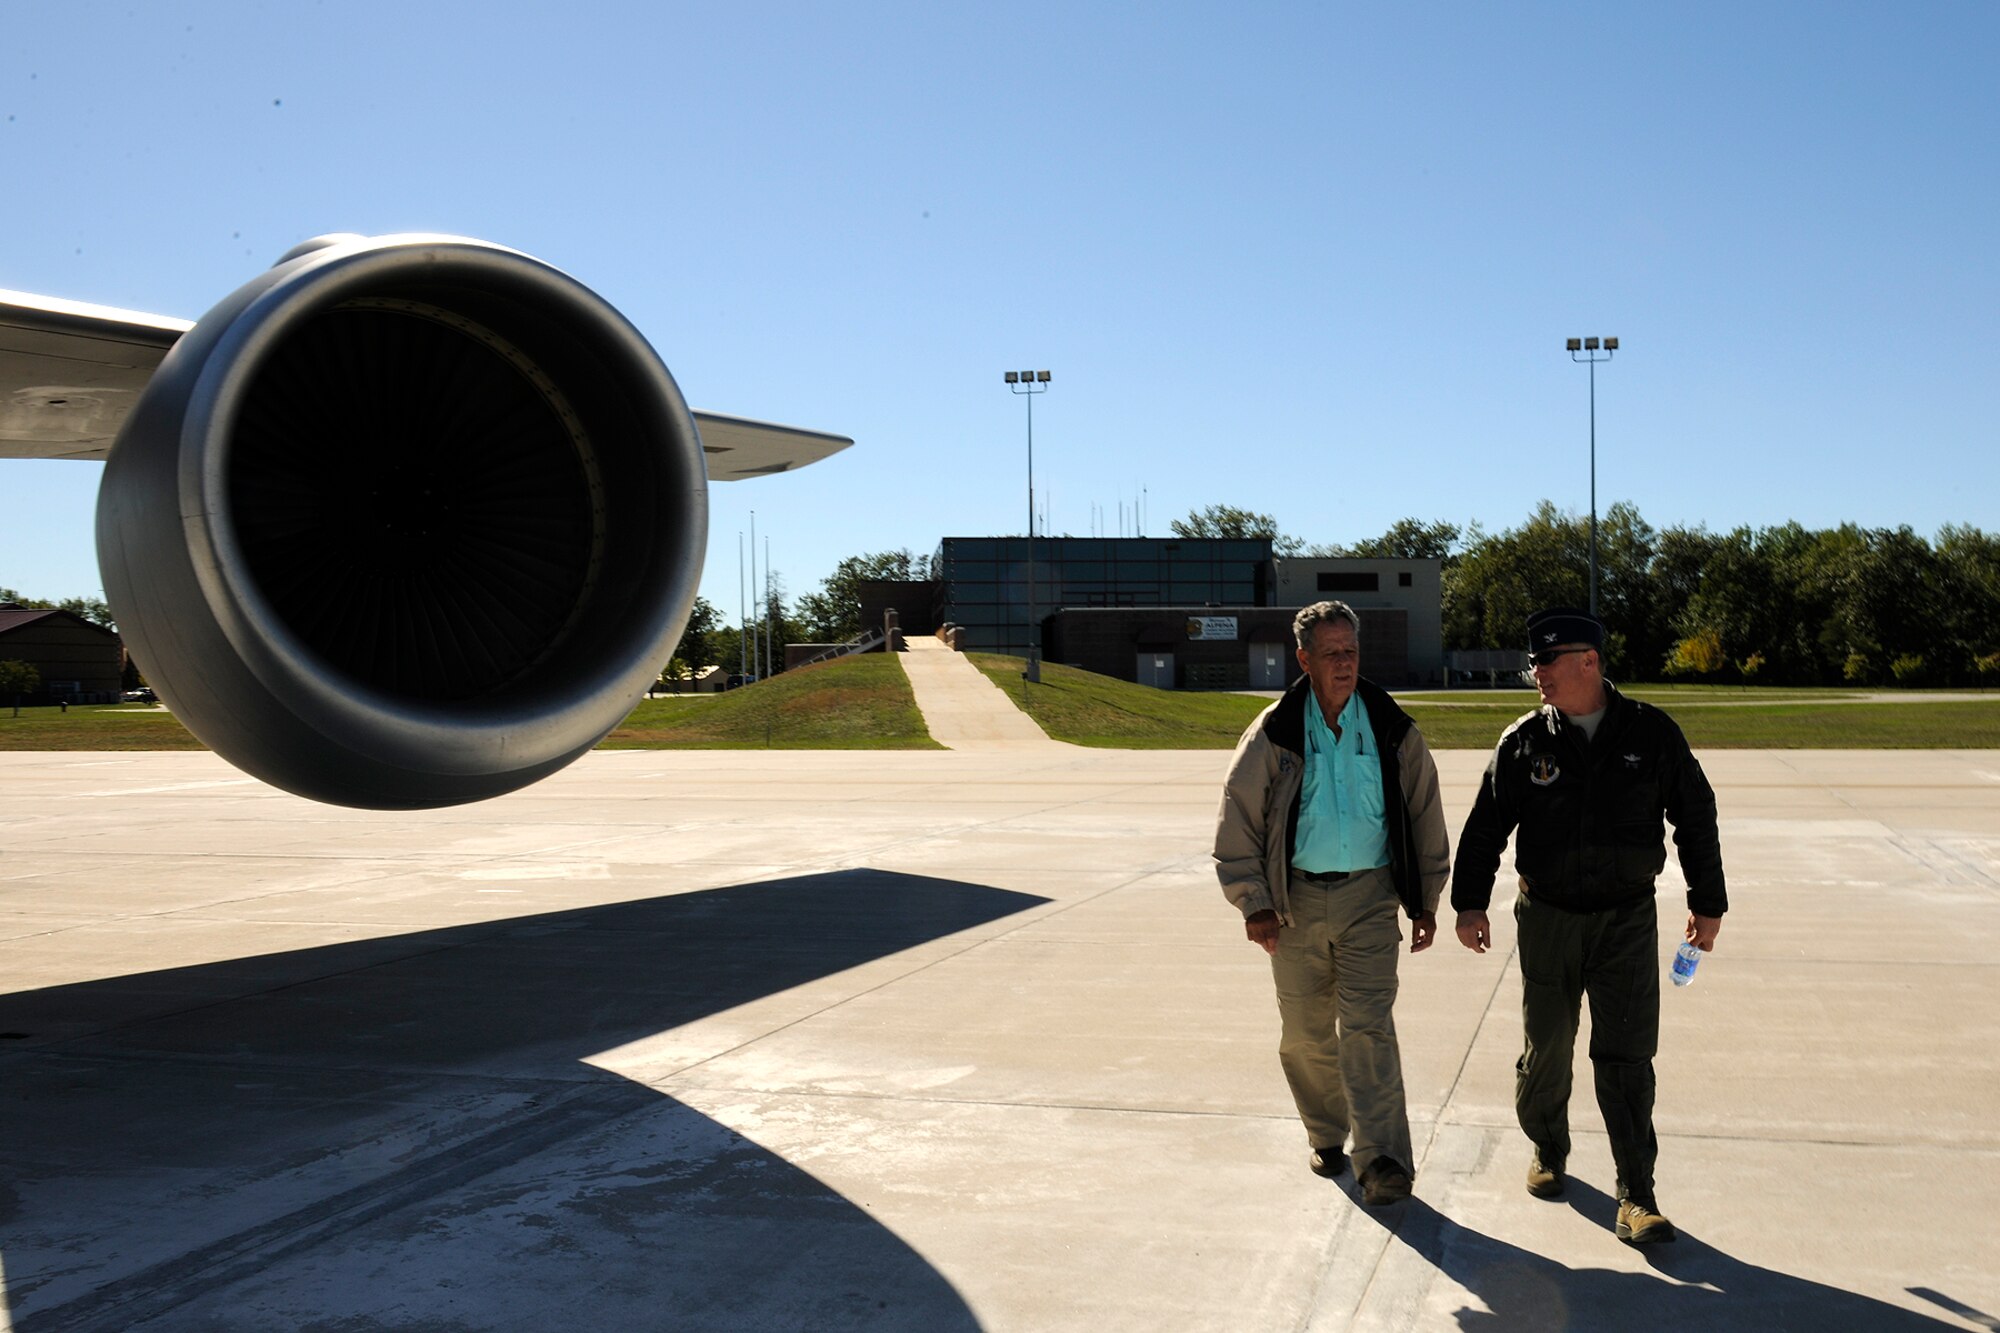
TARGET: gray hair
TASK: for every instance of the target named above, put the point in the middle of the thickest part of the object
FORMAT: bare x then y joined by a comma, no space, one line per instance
1320,613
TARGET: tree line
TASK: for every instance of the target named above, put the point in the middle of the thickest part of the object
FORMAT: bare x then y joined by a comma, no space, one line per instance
1785,605
830,614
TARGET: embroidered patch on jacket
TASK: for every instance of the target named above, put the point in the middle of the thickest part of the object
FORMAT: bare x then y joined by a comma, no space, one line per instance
1543,770
1632,760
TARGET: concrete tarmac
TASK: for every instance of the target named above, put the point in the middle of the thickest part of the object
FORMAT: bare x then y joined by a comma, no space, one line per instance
931,1040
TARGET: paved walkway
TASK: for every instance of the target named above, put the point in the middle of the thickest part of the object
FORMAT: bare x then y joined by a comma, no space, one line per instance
963,709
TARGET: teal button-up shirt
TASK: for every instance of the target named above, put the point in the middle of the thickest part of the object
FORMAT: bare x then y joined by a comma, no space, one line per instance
1342,824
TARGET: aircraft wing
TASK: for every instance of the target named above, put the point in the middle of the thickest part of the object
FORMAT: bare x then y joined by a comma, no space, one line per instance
70,373
738,448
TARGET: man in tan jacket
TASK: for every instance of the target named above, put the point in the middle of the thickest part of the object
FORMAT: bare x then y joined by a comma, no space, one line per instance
1330,825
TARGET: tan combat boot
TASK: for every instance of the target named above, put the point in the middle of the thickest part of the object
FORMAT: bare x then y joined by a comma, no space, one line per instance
1641,1223
1544,1181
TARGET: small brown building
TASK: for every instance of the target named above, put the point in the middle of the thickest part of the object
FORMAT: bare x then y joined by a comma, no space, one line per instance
79,662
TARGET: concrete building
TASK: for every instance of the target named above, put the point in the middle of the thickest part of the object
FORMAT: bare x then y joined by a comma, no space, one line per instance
1173,612
915,602
1403,598
982,582
1215,648
1178,613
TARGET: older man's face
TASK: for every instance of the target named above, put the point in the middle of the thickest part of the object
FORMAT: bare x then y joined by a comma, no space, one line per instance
1332,658
1571,677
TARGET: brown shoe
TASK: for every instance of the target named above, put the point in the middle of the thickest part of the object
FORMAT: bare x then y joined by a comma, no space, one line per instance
1328,1162
1641,1223
1545,1182
1384,1182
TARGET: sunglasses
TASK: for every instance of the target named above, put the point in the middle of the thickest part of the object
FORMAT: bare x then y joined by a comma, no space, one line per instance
1545,659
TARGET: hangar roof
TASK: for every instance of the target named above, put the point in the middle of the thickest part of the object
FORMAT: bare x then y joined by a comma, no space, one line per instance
18,617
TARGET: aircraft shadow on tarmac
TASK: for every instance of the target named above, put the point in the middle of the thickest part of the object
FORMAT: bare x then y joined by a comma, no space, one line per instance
400,1132
1709,1290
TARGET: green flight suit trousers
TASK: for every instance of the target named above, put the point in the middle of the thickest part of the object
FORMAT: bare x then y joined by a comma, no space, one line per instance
1613,957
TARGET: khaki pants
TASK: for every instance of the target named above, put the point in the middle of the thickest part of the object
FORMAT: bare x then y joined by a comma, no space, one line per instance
1335,970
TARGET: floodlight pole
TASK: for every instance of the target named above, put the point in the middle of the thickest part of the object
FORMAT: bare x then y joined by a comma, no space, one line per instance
756,667
1028,383
1584,350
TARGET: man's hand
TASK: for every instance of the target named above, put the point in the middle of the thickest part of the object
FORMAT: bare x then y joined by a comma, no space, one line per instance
1474,932
1703,930
1423,930
1261,928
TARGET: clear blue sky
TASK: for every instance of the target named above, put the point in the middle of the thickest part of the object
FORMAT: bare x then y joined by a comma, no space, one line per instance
1316,260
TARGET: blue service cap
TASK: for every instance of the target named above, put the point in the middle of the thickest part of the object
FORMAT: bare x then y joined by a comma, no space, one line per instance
1563,624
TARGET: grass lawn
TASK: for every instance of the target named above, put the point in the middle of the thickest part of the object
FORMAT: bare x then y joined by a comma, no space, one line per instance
859,703
865,703
95,727
1666,696
855,703
1945,725
1088,709
1084,708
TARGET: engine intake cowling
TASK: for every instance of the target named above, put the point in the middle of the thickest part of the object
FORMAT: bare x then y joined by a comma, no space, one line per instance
405,521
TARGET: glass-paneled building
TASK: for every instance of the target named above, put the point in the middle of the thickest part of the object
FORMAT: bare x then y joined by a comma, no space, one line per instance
983,581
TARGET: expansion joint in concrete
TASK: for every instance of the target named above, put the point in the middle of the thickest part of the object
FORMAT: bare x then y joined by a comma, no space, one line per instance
170,1283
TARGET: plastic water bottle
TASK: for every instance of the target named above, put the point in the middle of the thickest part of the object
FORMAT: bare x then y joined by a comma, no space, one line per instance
1685,959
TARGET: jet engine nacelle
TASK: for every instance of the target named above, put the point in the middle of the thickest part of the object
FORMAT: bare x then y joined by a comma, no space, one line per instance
404,522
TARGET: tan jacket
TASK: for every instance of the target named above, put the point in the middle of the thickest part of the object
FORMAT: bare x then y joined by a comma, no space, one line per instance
1260,801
